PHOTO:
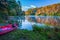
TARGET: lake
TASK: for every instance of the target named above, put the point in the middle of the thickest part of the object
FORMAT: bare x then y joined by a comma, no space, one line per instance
27,22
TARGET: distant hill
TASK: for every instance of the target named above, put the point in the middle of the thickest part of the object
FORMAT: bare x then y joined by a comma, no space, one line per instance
50,10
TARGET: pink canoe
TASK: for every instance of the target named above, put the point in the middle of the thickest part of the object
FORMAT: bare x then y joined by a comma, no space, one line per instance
7,28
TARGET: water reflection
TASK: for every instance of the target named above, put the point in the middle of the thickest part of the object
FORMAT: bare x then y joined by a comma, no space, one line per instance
26,25
49,20
26,22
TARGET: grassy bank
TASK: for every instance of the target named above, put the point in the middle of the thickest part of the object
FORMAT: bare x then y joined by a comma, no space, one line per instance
36,34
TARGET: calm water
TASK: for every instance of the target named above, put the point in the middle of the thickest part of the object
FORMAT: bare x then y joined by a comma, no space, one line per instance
41,21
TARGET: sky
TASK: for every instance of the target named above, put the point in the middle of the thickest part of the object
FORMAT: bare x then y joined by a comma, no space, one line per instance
27,4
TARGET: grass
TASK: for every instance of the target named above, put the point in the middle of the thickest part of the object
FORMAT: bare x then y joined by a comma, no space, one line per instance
36,34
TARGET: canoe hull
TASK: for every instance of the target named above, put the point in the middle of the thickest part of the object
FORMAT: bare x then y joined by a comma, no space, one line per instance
7,29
